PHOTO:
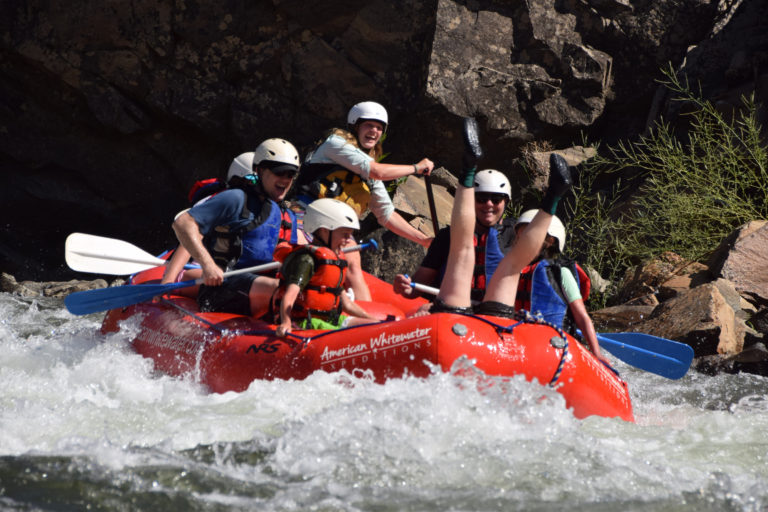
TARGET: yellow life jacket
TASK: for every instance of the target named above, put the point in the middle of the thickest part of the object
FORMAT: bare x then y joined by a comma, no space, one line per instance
335,182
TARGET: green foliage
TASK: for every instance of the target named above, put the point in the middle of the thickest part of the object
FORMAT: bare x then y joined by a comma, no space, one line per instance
393,184
687,191
594,238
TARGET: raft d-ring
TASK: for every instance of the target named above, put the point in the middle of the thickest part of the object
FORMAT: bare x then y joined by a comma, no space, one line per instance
557,342
459,329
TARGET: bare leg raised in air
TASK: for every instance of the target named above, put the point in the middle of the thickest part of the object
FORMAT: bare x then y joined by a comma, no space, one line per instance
502,289
455,289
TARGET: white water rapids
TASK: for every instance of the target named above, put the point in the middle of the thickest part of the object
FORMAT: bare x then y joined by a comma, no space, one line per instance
86,423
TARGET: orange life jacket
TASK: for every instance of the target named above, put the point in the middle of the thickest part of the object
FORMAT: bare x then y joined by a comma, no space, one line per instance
321,298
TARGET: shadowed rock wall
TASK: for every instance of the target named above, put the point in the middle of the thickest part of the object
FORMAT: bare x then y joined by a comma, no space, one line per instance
110,110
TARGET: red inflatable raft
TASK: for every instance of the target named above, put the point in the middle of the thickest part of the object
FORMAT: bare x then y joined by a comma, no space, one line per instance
227,352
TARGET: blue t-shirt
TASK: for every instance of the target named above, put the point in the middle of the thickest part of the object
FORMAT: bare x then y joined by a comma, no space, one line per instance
224,209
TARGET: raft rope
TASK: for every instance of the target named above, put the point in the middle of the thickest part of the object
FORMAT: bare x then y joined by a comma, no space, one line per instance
538,319
222,330
262,332
192,314
525,317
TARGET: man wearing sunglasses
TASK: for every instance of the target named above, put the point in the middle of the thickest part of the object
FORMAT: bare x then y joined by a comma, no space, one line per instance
240,228
492,194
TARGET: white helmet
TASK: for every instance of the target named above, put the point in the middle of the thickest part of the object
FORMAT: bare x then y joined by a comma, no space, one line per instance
368,111
556,227
330,214
493,181
241,165
277,154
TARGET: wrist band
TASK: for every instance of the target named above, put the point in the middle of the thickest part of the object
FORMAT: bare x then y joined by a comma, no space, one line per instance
415,169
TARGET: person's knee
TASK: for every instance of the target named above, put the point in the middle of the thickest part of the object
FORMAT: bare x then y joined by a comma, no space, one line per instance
261,293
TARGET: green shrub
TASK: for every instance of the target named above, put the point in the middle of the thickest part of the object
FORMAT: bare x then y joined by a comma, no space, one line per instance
680,193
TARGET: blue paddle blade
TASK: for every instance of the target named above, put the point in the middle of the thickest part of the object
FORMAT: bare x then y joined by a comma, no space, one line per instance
93,301
670,359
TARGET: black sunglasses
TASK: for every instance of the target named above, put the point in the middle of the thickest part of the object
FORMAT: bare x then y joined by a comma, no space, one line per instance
287,173
483,197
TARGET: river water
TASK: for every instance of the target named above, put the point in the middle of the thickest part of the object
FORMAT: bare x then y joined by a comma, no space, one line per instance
85,423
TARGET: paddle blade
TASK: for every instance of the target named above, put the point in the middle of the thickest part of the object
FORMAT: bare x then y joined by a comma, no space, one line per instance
93,301
670,359
101,255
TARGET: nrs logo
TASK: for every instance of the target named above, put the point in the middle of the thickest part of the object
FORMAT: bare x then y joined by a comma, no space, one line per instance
266,347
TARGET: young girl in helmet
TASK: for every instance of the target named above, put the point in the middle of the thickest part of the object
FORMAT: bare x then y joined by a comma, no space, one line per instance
345,166
312,276
492,194
552,286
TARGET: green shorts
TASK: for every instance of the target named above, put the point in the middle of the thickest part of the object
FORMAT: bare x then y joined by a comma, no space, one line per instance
317,323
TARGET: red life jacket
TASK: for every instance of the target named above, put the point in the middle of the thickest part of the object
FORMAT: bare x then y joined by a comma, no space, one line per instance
478,276
205,188
488,255
321,298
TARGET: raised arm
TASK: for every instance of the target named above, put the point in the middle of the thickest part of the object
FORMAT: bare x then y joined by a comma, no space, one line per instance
386,172
399,226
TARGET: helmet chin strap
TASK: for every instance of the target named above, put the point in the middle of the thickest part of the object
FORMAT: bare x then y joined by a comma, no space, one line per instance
318,238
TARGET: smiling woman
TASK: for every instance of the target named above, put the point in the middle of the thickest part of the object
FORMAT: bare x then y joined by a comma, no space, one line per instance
346,167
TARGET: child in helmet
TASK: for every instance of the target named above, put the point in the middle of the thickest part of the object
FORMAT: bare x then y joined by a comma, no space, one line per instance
312,276
492,194
346,166
552,285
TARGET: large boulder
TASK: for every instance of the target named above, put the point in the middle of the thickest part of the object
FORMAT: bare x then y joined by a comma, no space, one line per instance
702,318
412,201
519,66
666,274
741,260
396,255
731,61
621,318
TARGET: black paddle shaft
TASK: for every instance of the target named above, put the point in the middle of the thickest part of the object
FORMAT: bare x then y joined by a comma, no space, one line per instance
431,201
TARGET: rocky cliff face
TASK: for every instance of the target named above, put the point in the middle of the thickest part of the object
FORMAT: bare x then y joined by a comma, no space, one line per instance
111,110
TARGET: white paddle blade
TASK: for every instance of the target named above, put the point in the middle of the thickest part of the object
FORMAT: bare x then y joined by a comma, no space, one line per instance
100,255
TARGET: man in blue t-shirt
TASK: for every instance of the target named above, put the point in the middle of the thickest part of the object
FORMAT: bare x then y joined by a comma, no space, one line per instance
240,228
